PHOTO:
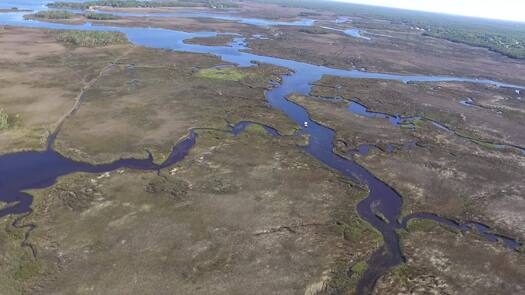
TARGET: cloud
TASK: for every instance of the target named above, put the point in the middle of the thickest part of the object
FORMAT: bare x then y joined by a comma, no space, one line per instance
500,9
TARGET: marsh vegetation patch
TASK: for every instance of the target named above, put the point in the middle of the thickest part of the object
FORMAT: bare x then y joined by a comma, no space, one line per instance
222,73
52,14
91,38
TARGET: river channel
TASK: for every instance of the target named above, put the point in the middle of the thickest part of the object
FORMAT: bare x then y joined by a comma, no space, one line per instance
382,207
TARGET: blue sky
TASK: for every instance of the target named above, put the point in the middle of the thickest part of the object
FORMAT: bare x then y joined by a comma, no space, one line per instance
499,9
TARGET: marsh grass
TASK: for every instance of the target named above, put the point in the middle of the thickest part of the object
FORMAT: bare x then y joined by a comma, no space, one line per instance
54,14
256,129
314,30
359,268
91,39
229,74
4,120
100,16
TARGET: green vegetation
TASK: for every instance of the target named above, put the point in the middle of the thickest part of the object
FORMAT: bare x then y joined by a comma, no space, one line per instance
478,141
488,145
356,230
420,225
91,39
400,273
4,120
100,16
228,73
505,41
313,30
53,14
359,268
143,4
412,124
28,268
418,123
340,282
505,37
256,129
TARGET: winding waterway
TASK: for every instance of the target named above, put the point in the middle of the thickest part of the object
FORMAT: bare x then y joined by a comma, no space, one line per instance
382,200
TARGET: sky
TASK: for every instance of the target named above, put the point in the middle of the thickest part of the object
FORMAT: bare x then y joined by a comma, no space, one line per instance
498,9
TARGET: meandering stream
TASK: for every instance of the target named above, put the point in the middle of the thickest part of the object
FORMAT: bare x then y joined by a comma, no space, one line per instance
28,170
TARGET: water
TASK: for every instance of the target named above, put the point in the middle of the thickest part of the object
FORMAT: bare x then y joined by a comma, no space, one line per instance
342,20
395,120
27,170
407,121
24,4
356,33
33,170
483,230
467,101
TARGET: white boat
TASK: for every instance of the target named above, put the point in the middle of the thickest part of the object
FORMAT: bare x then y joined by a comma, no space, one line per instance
305,124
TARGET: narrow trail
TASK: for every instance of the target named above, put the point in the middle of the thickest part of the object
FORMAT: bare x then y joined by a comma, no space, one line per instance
80,97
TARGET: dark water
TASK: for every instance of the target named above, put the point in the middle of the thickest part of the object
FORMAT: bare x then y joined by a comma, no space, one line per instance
21,171
396,120
482,229
32,170
364,149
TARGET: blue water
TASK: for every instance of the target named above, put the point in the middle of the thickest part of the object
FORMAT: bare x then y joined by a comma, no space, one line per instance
356,33
408,121
24,4
396,120
467,101
21,171
32,170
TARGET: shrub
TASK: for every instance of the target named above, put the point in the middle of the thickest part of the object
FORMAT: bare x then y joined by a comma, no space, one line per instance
54,14
100,16
227,73
91,39
4,119
313,30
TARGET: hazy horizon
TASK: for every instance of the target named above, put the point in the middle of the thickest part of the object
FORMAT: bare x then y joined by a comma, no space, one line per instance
512,10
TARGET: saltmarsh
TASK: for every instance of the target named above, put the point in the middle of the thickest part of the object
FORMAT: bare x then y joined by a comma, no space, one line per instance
460,175
40,83
149,106
432,251
100,16
223,73
91,39
219,222
4,119
52,14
